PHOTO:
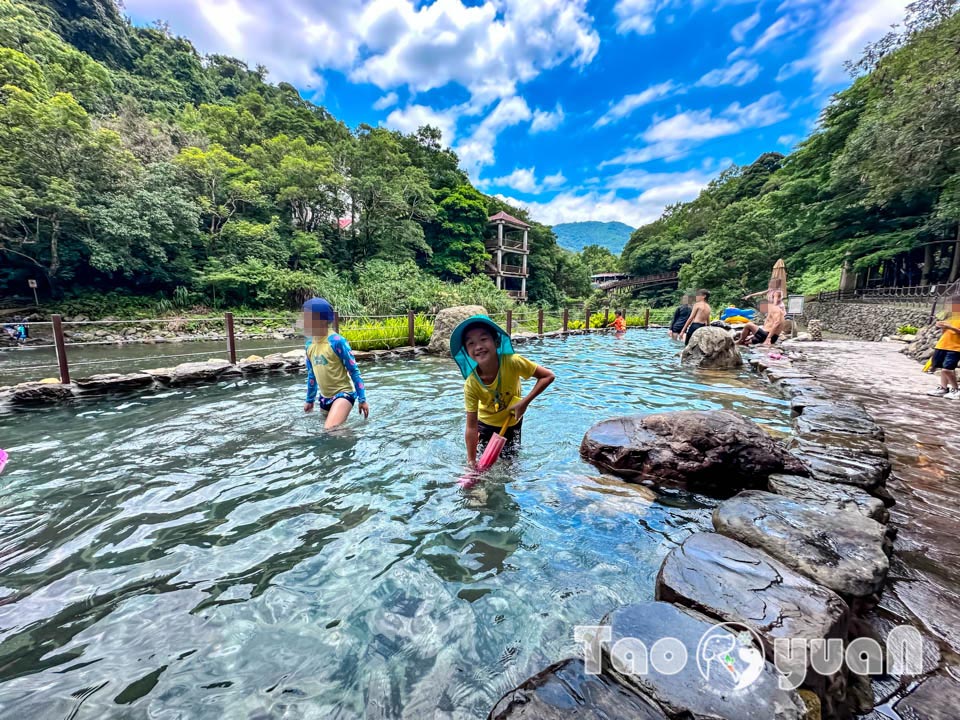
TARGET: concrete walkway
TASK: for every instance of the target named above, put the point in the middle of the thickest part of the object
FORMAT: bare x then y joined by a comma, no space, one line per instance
923,438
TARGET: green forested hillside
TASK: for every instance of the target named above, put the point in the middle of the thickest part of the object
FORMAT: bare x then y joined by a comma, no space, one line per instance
128,161
879,179
576,236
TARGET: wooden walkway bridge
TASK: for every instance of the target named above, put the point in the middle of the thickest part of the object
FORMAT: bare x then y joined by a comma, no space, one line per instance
640,281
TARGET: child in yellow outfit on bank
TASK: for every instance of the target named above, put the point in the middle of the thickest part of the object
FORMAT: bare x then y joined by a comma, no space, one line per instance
492,372
946,354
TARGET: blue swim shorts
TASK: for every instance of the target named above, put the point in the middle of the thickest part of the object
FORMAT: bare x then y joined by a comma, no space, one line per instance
327,403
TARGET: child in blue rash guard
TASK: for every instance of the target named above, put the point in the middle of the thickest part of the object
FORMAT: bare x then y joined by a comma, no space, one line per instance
331,368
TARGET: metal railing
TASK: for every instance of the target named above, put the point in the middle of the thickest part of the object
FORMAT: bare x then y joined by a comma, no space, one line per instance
924,295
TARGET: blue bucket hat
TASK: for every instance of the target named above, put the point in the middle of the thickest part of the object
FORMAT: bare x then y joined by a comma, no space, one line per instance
320,307
459,352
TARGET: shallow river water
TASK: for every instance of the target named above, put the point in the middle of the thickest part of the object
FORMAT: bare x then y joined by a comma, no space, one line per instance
210,552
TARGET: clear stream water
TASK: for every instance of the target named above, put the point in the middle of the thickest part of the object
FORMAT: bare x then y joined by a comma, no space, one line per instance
210,552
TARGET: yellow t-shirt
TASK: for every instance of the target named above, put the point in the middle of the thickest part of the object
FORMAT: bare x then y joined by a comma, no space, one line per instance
950,340
492,402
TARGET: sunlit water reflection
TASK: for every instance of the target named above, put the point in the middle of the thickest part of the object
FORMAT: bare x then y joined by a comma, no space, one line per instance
210,552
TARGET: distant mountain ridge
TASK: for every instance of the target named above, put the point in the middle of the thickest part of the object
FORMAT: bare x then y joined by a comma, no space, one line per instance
576,236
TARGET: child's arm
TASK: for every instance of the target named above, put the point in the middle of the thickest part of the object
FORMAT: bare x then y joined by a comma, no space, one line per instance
472,437
690,317
544,378
943,325
342,348
311,387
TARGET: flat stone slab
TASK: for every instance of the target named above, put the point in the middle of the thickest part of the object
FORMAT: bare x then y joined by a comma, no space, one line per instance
564,690
832,465
108,382
937,698
716,448
837,418
840,549
792,387
198,371
842,497
35,393
689,693
852,445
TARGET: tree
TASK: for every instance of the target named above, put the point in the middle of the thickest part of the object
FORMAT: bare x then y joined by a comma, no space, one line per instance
599,259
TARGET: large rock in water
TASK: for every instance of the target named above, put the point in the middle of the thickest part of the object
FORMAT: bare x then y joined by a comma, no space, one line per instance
34,393
443,326
843,550
565,690
712,347
711,449
191,372
725,579
115,382
688,693
842,497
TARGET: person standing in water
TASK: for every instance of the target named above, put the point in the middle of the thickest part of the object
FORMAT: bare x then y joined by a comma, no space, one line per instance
331,367
680,316
620,323
699,317
491,388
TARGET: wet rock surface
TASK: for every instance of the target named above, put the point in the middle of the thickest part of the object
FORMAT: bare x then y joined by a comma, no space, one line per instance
198,371
34,393
564,690
688,691
712,347
108,382
842,550
937,698
837,418
710,449
832,465
842,497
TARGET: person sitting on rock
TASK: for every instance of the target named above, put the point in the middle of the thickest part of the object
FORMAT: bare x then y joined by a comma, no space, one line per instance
680,316
699,316
491,390
946,354
772,324
331,367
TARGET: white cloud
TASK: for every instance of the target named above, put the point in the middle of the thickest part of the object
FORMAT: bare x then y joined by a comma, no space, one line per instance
643,180
544,120
636,15
740,30
636,210
787,140
387,101
668,151
477,150
738,74
555,180
703,125
628,103
413,117
488,48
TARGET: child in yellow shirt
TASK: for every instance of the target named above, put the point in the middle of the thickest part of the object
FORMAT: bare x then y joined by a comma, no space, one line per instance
491,390
946,354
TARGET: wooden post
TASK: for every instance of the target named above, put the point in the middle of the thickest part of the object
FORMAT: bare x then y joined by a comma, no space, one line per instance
606,316
231,340
540,321
336,321
411,328
566,319
646,319
61,349
586,321
509,322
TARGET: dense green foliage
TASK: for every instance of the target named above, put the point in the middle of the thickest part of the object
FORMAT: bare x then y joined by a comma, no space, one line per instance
879,179
129,162
578,235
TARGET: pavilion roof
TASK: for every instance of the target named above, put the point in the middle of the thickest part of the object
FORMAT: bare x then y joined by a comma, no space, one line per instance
502,217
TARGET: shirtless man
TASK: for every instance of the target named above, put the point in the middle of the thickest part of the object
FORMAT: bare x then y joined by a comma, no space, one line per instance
699,316
772,324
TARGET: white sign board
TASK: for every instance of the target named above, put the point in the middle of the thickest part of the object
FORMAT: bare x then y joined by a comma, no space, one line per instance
31,283
795,305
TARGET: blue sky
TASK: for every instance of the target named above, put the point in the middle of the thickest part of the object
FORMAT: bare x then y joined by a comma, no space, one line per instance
575,109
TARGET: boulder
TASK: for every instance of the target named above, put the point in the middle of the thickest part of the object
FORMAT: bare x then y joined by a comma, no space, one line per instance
191,372
842,497
727,580
815,328
565,690
937,698
444,324
710,449
712,347
843,550
163,375
115,382
703,688
35,393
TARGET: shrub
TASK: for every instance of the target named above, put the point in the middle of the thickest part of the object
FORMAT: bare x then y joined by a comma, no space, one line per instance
907,330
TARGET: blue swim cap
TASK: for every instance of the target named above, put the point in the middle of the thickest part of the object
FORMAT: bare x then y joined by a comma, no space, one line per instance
319,307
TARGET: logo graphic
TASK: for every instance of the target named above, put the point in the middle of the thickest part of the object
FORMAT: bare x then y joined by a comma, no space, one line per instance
728,654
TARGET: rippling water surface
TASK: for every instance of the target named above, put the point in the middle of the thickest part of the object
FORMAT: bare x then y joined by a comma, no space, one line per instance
210,552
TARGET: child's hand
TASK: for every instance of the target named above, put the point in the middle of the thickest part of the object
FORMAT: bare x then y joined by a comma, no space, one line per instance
364,409
518,409
308,407
941,324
